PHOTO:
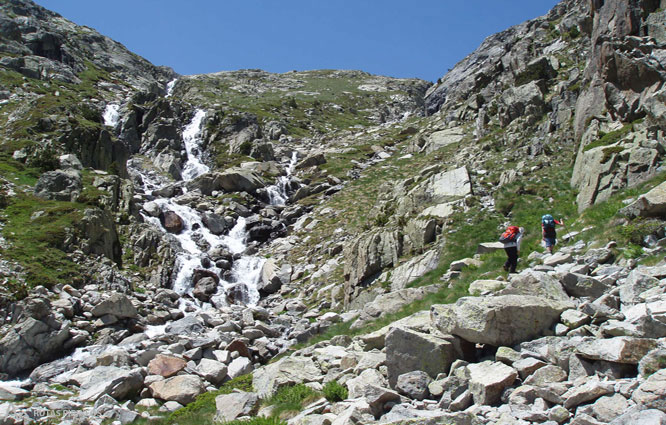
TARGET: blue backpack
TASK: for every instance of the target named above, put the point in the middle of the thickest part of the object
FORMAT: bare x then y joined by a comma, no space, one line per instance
548,221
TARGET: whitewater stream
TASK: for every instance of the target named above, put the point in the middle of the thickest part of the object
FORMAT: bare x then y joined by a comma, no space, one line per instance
196,239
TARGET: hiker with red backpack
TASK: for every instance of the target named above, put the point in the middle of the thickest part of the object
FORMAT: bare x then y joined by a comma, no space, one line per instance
511,239
548,231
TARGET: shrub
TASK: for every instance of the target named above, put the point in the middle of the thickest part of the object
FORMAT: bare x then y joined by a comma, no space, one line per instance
333,391
636,231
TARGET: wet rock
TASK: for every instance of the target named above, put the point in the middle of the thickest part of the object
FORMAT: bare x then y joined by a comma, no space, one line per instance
172,222
204,289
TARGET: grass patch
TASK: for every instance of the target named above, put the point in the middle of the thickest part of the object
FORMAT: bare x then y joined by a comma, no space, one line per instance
609,138
258,421
288,401
203,409
36,230
334,391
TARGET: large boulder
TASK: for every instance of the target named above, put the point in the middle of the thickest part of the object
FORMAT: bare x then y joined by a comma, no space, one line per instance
526,100
287,371
117,305
30,343
116,382
652,392
99,235
231,180
535,283
166,366
503,320
366,256
621,349
232,406
273,277
59,185
413,269
651,204
408,350
182,388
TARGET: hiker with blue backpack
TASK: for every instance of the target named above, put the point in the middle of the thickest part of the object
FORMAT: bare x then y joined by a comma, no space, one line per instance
511,239
548,231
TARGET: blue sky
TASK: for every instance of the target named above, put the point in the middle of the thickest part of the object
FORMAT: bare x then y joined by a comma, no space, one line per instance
398,38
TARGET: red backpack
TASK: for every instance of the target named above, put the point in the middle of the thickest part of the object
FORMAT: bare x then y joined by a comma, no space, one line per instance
510,234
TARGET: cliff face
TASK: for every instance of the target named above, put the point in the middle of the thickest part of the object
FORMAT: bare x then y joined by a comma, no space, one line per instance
217,219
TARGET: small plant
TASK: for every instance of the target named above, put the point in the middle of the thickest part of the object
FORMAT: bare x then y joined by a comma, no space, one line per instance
636,231
333,391
259,420
291,399
204,405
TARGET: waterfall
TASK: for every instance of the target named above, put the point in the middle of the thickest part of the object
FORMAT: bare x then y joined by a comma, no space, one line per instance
196,239
169,87
111,115
194,167
277,193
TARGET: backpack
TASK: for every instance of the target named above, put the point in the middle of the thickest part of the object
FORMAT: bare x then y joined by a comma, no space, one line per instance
548,221
548,224
510,234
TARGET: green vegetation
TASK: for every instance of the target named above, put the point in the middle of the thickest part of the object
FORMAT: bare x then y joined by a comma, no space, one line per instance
289,400
202,410
258,420
36,230
609,138
335,392
311,102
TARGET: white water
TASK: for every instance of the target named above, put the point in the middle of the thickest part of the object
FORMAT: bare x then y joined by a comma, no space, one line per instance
111,115
194,167
170,85
196,239
277,193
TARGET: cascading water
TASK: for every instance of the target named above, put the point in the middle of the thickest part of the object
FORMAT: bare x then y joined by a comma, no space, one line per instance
169,87
111,114
277,194
195,239
194,167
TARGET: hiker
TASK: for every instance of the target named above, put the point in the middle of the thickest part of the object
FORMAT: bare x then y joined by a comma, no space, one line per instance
548,231
511,240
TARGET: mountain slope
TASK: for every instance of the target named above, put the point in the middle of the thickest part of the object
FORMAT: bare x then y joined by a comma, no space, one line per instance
176,232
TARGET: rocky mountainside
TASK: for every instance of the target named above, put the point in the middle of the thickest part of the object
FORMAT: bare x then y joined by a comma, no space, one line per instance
164,237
